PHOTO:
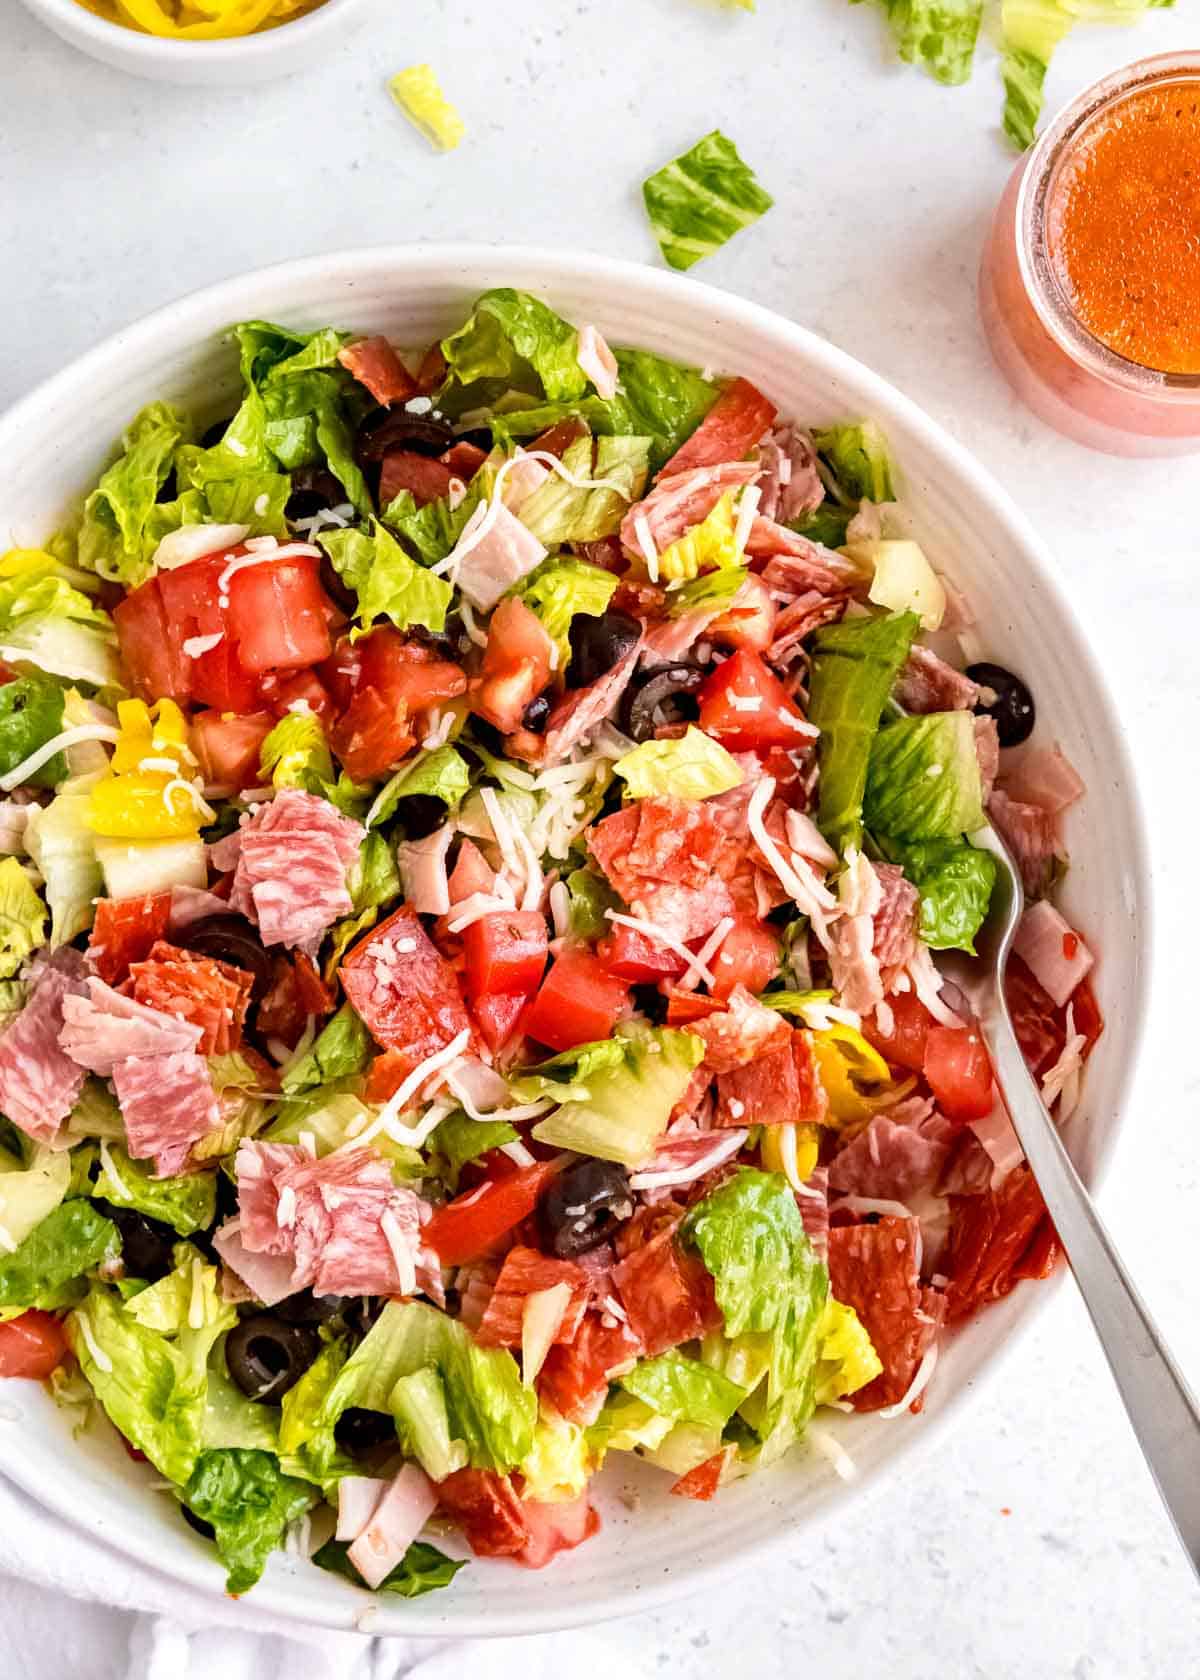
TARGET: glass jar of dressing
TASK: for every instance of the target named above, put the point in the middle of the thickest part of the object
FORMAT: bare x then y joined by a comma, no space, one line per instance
1090,284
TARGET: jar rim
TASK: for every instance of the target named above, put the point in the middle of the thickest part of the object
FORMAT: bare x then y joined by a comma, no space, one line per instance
1039,275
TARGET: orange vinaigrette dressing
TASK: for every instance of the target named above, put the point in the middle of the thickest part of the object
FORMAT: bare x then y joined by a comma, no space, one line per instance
1123,228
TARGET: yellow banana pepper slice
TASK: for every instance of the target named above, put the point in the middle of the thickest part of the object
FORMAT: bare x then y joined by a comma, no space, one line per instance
855,1076
148,792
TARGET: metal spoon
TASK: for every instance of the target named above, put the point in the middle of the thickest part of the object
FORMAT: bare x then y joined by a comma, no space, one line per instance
1161,1407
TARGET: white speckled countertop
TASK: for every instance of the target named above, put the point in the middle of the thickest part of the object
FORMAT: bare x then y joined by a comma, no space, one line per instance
1034,1545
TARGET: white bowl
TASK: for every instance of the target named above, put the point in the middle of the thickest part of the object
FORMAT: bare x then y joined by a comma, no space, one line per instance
55,442
249,58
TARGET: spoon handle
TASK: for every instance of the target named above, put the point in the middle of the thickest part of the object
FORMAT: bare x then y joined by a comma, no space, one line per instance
1161,1407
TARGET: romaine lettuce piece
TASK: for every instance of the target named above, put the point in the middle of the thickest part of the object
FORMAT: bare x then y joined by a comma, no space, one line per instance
560,1462
31,713
557,512
111,537
96,1114
713,589
854,666
857,454
563,586
440,772
902,580
388,582
249,1502
47,620
22,917
629,1102
711,545
923,780
459,1139
186,1203
342,1048
511,334
230,1419
627,1424
47,1268
419,95
187,1299
421,1570
418,1403
846,1359
938,35
691,766
296,754
63,846
569,1076
256,500
955,881
29,1193
684,1389
434,529
1030,30
701,199
332,1117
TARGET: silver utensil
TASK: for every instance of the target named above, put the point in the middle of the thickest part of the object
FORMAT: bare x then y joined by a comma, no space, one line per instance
1161,1407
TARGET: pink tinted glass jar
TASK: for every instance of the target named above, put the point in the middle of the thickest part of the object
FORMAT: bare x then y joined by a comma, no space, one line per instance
1068,377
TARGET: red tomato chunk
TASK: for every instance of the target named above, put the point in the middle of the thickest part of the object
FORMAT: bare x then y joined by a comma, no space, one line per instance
579,1002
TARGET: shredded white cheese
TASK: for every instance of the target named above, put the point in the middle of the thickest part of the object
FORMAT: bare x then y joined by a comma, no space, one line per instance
262,550
747,512
832,1449
706,953
401,1253
917,1386
641,530
560,909
110,1170
653,931
58,743
99,1358
725,1146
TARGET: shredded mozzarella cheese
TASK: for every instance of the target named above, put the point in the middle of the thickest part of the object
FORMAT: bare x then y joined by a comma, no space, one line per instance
706,953
406,1271
99,1358
917,1386
413,1082
58,743
653,931
726,1145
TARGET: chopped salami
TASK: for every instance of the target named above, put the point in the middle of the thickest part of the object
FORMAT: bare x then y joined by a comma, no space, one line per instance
705,1479
296,996
39,1082
1031,835
580,711
789,481
928,684
524,1273
555,1526
997,1239
794,565
778,1088
893,1158
667,1292
895,929
806,613
681,500
212,995
123,932
167,1103
485,1506
875,1269
404,990
987,751
664,857
106,1027
813,1203
292,861
374,363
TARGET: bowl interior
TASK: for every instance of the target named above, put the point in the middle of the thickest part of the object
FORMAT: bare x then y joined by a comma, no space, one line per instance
651,1546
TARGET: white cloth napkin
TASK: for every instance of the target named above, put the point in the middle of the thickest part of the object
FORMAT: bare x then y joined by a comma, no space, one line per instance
175,1633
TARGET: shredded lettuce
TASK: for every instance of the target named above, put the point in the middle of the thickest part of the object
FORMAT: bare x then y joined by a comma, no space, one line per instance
857,454
421,1570
187,1202
47,1268
249,1502
691,766
557,512
63,846
561,587
560,1462
388,582
419,95
854,666
31,713
516,338
701,199
684,1389
295,753
459,1139
433,530
955,881
418,1403
440,773
22,917
629,1102
923,781
711,545
569,1076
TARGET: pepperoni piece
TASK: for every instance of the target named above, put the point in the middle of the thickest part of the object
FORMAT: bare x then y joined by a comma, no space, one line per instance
574,1379
124,931
211,994
997,1238
874,1269
525,1272
486,1508
667,1293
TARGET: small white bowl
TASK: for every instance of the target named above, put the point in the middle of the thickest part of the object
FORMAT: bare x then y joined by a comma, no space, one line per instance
246,58
651,1547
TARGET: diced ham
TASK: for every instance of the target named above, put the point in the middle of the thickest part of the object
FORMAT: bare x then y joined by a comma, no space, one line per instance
1031,835
39,1082
778,1088
193,904
680,501
794,565
582,709
987,751
674,638
104,1028
358,1499
597,361
1044,777
525,1272
928,684
506,553
893,1158
167,1103
895,921
374,363
998,1138
1055,955
266,1277
292,860
790,483
876,1270
399,1517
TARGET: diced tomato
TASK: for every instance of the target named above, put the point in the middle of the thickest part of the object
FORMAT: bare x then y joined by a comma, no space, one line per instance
192,597
632,955
667,1293
486,1508
228,748
279,615
469,1225
371,736
1085,1014
282,690
705,1479
555,1527
505,952
432,370
154,662
731,428
340,673
471,873
464,460
426,478
516,665
557,439
748,956
524,1273
385,1075
497,1015
997,1238
959,1071
904,1046
751,623
31,1345
744,677
376,365
407,672
579,1001
575,1378
403,989
124,931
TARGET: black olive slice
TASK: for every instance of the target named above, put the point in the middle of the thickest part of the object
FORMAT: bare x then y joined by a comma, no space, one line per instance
584,1205
385,429
663,694
535,714
1007,700
597,644
231,939
313,488
265,1356
359,1429
307,1308
146,1244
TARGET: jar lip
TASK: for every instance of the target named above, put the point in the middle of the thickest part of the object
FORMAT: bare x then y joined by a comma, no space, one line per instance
1038,274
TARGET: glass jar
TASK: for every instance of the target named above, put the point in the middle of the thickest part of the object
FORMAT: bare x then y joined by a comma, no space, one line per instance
1066,375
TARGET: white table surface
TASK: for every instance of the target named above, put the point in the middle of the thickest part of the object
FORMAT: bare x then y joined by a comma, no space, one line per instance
1033,1545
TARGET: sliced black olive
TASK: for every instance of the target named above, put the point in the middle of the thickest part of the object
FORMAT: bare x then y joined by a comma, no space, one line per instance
231,939
212,435
535,714
358,1429
146,1244
384,429
265,1356
169,488
480,436
597,644
198,1523
1011,703
663,694
307,1308
488,736
653,1004
420,814
584,1205
313,488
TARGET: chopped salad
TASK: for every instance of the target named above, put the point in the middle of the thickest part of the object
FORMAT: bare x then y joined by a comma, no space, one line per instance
480,831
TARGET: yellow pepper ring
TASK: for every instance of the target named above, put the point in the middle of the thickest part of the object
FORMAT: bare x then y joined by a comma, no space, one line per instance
854,1074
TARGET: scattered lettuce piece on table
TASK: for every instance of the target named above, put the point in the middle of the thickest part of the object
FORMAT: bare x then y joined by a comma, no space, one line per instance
692,766
701,199
422,1569
419,95
937,35
249,1501
923,779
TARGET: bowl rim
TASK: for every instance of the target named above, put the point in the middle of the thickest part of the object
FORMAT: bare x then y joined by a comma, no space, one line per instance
182,322
87,27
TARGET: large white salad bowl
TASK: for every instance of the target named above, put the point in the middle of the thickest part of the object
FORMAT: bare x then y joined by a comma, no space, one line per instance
53,445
